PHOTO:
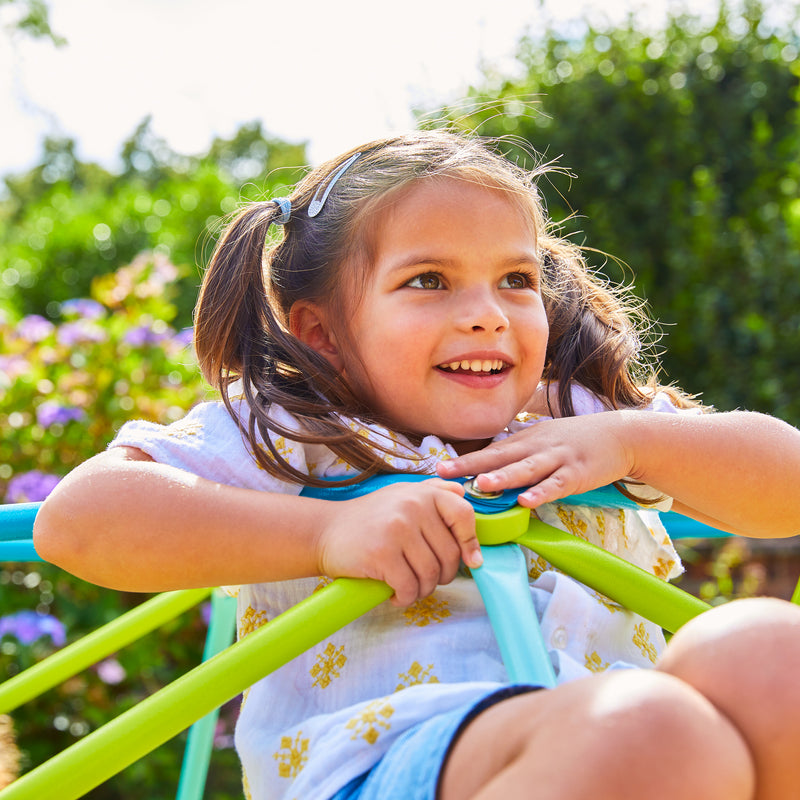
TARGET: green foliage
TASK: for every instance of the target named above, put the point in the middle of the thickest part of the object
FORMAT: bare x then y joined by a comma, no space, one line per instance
65,389
33,20
66,222
684,152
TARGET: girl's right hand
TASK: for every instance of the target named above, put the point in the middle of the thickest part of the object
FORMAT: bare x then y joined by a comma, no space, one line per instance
413,536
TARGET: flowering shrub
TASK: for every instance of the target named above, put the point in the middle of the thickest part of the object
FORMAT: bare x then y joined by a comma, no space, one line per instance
66,386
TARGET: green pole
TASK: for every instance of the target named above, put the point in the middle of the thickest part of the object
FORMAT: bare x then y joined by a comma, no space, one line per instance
620,581
95,646
110,749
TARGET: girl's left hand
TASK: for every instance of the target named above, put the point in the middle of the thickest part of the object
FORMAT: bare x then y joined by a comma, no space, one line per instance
555,458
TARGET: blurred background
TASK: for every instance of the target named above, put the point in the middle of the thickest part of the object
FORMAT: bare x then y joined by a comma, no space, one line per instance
130,129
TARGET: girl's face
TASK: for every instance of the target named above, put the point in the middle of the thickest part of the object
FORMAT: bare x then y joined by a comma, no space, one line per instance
450,333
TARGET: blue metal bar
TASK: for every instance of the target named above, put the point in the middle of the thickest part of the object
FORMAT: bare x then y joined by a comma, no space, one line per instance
197,755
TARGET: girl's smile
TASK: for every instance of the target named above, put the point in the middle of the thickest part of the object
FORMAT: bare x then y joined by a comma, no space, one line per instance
450,331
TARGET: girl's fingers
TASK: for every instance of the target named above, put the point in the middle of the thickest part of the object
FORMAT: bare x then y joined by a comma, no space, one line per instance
402,578
490,458
547,491
458,517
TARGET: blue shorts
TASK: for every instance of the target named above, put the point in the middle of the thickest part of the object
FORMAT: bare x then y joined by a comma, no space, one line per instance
411,768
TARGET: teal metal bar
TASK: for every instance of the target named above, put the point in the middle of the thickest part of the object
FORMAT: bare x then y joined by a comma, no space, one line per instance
16,520
502,581
18,550
197,755
70,660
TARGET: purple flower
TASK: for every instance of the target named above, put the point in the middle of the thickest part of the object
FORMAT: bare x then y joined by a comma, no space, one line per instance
111,671
82,330
34,328
184,338
51,413
146,334
82,307
30,487
28,626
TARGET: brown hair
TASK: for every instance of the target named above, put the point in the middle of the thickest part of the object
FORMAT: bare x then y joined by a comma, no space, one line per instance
242,316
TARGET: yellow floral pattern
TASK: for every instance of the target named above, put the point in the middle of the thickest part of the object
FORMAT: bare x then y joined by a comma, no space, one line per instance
251,620
246,787
415,676
184,429
329,665
537,567
424,612
292,755
594,663
372,721
642,640
573,524
322,582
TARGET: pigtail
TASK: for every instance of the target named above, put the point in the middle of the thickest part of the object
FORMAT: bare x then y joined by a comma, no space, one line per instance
242,338
233,317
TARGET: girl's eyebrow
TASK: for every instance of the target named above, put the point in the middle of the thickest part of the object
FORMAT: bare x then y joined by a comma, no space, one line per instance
417,260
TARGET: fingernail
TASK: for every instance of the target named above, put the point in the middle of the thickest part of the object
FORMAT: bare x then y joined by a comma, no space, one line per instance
476,559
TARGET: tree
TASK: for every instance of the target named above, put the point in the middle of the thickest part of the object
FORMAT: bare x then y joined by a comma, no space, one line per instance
684,145
65,222
33,19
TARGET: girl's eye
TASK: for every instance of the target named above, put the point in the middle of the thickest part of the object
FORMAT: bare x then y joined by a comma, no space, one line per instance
430,280
517,280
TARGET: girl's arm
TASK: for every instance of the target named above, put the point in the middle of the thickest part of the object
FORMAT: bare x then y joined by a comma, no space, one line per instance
739,471
125,521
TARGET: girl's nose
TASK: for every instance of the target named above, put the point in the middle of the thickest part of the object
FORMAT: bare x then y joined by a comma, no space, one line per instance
481,311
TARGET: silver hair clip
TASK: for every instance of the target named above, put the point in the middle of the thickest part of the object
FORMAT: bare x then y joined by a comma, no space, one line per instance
285,205
318,202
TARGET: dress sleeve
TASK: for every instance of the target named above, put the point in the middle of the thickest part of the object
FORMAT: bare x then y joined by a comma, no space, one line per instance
208,443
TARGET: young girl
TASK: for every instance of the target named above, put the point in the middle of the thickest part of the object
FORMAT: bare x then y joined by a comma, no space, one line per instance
419,313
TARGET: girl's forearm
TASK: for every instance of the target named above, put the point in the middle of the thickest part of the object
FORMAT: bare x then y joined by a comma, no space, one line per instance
739,470
135,525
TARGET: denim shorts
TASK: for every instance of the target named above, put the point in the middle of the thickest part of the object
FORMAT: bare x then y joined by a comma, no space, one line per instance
411,768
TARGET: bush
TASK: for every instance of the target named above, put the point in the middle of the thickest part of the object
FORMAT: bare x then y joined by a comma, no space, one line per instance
65,389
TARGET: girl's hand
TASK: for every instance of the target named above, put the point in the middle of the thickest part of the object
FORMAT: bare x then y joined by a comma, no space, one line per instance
555,458
412,536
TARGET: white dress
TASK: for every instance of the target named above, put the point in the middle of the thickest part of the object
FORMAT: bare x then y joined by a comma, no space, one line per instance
330,715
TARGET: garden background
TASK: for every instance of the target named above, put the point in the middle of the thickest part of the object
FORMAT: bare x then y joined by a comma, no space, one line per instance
680,152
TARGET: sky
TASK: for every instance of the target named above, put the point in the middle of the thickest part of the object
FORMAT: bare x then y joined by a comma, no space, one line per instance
330,74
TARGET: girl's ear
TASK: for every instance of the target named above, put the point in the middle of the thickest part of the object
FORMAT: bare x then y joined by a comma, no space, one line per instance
309,323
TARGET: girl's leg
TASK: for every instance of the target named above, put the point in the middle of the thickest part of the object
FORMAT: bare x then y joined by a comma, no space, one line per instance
618,736
744,658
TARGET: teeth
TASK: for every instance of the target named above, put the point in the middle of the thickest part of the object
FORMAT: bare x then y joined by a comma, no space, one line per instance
487,365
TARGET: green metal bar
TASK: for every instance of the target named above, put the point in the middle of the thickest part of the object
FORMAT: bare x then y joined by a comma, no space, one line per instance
197,755
95,646
110,749
622,582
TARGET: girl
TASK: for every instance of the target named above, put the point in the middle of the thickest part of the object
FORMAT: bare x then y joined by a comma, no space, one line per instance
418,314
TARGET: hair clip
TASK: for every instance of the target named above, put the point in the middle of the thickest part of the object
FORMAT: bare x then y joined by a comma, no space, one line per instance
318,202
285,205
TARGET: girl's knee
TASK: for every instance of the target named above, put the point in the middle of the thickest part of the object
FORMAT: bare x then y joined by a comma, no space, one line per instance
634,733
744,650
676,742
743,658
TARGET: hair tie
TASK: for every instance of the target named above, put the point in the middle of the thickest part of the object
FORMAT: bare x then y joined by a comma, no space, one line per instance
285,205
317,202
